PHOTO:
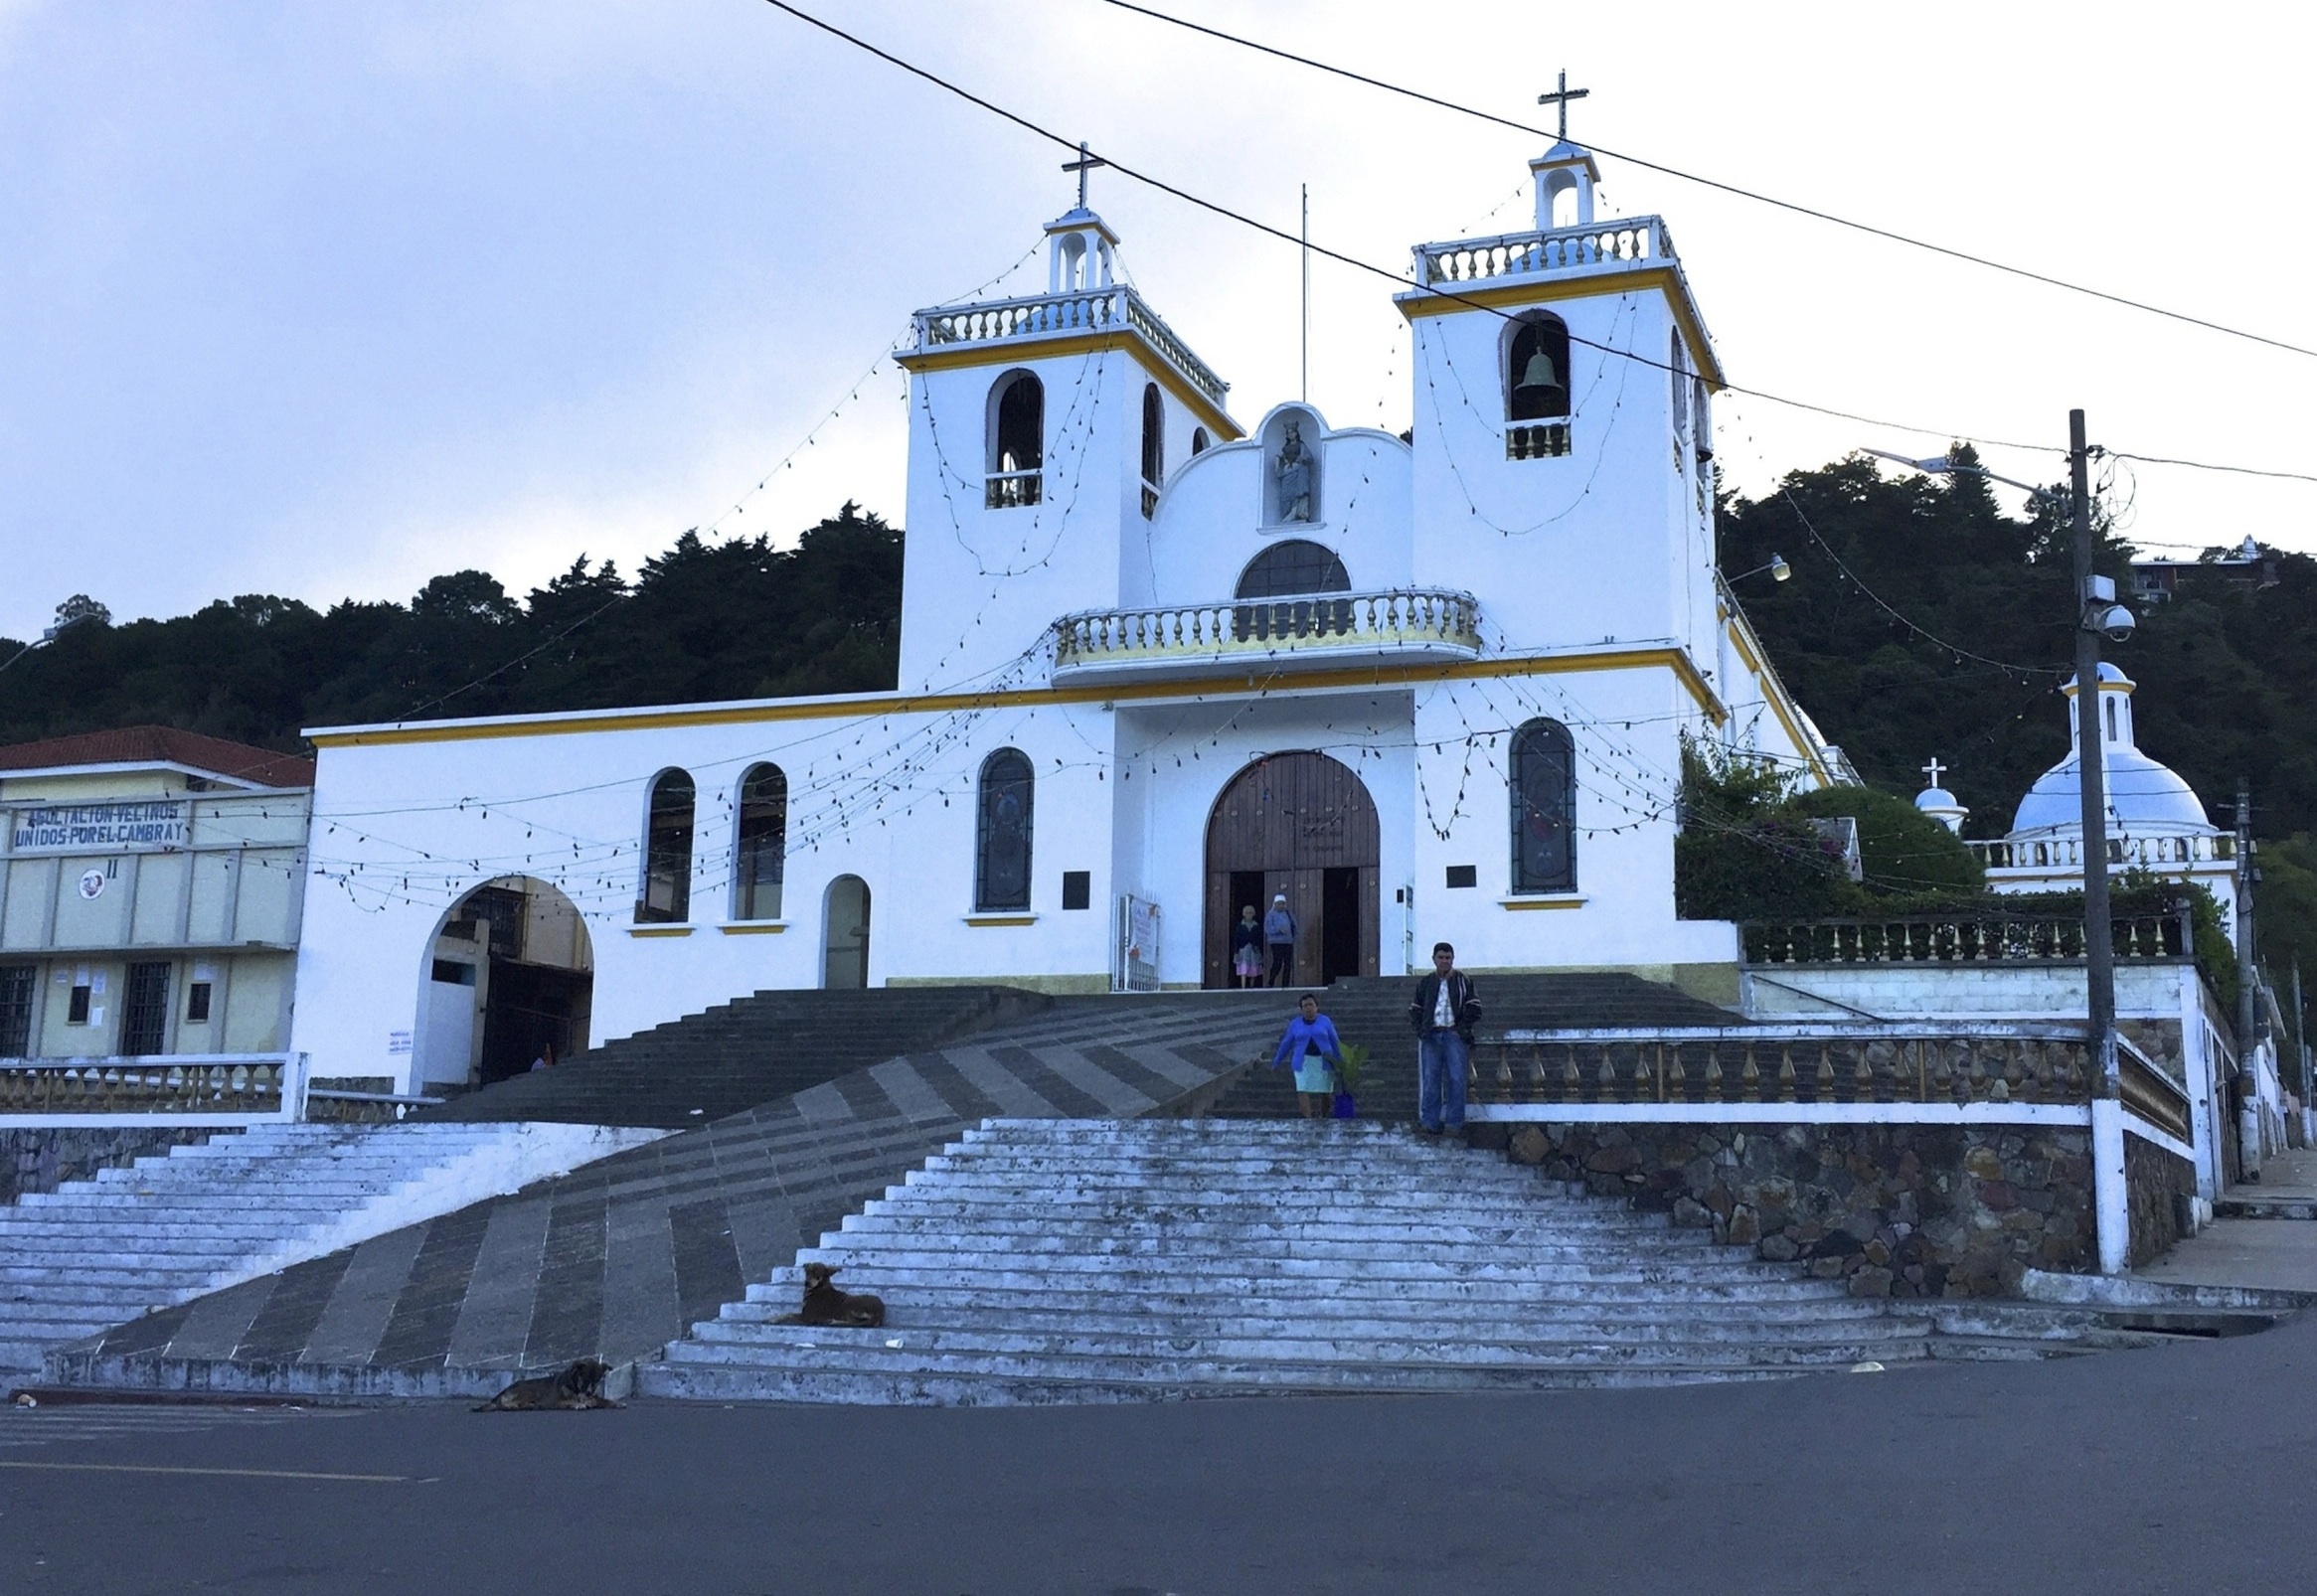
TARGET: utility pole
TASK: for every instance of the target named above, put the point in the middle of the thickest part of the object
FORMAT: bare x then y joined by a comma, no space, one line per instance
2247,1012
2099,960
2301,1049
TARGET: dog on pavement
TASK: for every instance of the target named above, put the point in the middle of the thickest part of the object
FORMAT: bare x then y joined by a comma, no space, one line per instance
578,1386
824,1304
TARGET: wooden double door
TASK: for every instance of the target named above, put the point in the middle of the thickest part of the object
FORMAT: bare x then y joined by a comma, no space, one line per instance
1301,824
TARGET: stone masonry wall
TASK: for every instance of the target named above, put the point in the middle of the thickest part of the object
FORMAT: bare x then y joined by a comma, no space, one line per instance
1897,1210
2154,1182
42,1158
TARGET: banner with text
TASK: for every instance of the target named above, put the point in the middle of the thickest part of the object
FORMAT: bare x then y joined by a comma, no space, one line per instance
97,827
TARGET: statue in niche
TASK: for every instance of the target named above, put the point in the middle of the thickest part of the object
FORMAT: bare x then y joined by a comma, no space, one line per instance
1294,473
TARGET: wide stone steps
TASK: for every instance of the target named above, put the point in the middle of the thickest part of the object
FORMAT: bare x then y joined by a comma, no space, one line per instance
1003,1288
95,1253
1134,1260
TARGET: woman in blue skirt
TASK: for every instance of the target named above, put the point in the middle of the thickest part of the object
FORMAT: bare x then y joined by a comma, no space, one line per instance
1311,1045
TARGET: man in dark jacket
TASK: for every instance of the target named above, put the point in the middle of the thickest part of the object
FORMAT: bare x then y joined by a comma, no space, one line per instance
1443,1014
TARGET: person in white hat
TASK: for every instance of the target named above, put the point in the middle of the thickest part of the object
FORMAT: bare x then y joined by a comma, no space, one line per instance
1279,934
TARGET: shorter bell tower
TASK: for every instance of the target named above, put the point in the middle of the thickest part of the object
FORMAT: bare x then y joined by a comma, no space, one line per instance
1041,429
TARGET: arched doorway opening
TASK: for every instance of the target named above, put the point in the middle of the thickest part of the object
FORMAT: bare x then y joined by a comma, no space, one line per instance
845,942
510,982
1301,824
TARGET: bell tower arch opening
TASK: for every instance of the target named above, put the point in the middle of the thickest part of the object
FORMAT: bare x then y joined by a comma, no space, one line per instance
1304,826
509,984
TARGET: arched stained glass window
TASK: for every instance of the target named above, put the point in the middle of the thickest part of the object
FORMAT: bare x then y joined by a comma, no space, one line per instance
1544,806
1295,567
760,843
1155,445
667,863
1001,874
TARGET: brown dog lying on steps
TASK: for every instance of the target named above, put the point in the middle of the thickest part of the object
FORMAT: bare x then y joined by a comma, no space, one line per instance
824,1304
580,1386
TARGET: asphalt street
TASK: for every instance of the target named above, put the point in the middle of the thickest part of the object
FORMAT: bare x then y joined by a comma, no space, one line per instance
2182,1469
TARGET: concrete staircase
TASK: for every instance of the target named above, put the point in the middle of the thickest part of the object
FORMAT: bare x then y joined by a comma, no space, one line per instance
95,1253
1108,1260
736,1055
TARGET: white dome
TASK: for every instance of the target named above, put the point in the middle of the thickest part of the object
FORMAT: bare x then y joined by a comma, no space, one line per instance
2144,798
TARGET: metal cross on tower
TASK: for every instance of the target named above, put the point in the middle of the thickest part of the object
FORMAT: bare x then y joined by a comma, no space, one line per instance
1935,770
1086,163
1560,97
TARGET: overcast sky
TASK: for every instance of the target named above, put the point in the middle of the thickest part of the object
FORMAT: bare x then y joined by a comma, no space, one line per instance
320,300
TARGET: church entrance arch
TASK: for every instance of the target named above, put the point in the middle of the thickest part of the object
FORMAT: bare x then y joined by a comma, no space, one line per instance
510,981
1304,824
845,942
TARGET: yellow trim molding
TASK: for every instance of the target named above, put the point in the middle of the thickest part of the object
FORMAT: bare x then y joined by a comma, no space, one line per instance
1347,676
659,930
952,357
1001,919
1551,291
753,928
1560,901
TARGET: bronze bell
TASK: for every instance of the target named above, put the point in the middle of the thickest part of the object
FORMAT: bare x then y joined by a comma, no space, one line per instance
1540,375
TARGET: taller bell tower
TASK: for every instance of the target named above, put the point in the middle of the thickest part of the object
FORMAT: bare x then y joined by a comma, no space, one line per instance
1564,453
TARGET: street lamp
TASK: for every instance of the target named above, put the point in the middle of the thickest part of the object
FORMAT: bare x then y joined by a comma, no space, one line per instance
47,637
1777,567
2097,615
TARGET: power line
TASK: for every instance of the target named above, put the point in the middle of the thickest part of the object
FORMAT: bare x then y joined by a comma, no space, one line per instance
1726,188
2207,465
1354,262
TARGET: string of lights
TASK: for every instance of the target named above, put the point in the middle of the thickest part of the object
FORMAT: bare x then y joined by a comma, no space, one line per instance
1955,649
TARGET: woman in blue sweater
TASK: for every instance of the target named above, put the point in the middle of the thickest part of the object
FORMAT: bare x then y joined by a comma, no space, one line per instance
1311,1045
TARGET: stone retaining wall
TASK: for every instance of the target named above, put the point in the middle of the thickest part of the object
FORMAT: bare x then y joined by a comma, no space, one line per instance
2154,1184
42,1158
1897,1210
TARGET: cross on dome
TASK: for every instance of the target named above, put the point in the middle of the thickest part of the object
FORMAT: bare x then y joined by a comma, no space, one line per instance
1935,770
1558,98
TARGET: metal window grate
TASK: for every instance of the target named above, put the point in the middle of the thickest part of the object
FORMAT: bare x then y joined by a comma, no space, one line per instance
18,983
144,1010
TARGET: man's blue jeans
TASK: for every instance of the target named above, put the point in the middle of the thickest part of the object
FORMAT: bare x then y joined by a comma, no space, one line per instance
1442,1059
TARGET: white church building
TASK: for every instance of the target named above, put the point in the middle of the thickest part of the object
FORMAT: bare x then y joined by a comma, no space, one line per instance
1157,665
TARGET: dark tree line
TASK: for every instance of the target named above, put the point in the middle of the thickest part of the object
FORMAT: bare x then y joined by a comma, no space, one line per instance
2226,670
701,621
2226,673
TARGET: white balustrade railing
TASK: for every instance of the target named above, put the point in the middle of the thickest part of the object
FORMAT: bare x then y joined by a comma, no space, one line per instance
1404,618
1529,255
2055,853
1118,307
162,1087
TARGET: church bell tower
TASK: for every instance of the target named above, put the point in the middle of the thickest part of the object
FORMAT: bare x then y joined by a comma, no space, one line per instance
1040,430
1564,457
